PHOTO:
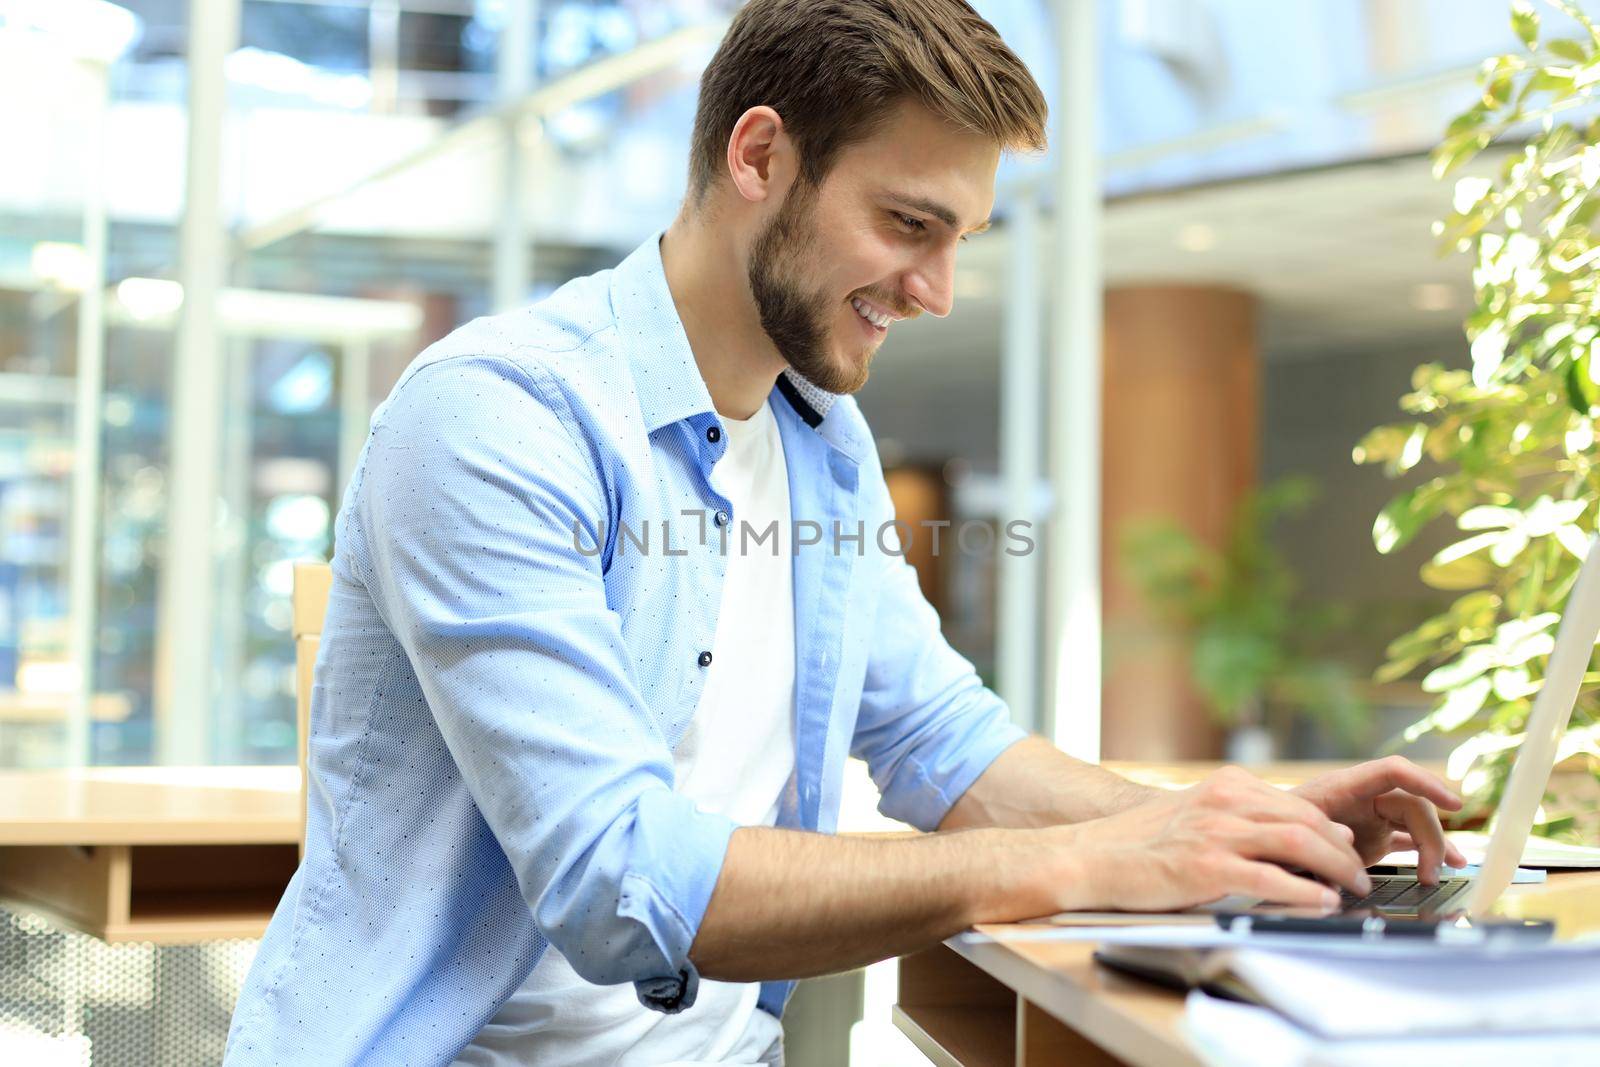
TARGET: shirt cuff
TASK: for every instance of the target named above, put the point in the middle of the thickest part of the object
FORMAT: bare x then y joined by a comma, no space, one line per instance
669,887
938,784
670,995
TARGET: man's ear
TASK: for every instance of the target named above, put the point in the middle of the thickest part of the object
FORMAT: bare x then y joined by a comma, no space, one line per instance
761,157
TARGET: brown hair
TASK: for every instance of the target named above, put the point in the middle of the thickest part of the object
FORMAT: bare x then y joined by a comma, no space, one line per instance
832,69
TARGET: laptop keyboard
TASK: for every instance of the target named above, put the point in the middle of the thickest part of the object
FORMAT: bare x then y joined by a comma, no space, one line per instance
1403,895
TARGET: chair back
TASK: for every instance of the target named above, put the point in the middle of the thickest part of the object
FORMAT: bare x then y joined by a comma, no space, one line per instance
310,600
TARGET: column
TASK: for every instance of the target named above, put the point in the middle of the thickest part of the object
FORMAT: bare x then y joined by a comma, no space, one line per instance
1181,395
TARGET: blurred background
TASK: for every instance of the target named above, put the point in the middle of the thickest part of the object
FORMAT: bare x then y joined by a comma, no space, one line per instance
225,228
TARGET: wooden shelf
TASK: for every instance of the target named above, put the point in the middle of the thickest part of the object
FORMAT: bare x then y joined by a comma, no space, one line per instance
961,1037
169,894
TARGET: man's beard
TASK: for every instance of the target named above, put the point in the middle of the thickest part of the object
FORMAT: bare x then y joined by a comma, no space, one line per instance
797,323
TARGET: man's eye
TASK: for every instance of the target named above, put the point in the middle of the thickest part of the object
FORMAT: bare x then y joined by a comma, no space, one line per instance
908,222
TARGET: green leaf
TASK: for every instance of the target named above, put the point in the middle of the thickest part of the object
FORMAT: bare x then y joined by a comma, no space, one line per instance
1574,541
1498,92
1489,517
1469,572
1488,353
1546,515
1462,705
1396,669
1514,683
1520,640
1396,524
1423,640
1458,150
1551,80
1580,386
1568,50
1525,23
1382,445
1469,119
1411,451
1472,663
1508,548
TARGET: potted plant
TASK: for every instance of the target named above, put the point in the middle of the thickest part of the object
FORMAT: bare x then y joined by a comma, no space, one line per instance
1250,640
1511,442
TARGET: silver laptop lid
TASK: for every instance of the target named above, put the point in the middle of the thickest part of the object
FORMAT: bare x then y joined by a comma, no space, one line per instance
1536,756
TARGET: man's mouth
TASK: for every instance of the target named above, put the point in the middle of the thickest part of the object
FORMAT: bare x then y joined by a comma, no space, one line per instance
872,313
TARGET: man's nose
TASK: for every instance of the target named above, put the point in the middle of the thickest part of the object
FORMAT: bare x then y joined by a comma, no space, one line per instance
931,284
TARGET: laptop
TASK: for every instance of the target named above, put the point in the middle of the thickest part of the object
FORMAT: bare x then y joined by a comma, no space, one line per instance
1403,897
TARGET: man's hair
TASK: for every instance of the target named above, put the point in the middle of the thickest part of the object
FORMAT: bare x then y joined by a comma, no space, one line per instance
833,69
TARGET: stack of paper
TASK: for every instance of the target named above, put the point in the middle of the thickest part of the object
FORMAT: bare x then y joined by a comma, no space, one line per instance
1352,1004
1228,1034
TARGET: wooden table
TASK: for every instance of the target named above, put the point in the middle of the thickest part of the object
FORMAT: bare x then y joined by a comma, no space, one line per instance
172,855
1005,1000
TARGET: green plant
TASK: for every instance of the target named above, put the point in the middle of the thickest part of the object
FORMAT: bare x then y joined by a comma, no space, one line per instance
1250,638
1513,439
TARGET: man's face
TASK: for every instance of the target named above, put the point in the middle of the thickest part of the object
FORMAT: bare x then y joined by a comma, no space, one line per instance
836,264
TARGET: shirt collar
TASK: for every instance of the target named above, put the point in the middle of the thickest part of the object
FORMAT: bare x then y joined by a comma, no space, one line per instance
665,374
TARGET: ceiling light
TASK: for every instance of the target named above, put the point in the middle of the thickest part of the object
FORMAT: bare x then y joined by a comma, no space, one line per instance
149,298
61,264
1197,237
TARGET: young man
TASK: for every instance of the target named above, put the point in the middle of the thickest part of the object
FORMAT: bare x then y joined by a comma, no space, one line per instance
576,751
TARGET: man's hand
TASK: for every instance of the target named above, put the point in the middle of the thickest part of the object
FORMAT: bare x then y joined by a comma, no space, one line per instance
1232,833
1389,804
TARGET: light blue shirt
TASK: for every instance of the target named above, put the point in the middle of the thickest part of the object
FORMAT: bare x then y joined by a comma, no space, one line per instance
504,673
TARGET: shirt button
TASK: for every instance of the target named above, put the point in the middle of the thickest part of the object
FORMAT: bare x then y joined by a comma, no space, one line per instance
713,434
705,659
721,518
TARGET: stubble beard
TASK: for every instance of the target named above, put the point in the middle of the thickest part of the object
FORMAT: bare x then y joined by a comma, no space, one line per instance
795,322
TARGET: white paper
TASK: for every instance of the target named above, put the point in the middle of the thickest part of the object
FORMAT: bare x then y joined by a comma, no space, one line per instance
1539,852
1226,1034
1339,994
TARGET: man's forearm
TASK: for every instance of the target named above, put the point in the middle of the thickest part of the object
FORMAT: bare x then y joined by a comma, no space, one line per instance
792,904
1034,783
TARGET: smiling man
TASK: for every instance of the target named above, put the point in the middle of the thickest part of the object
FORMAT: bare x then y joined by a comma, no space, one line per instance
572,792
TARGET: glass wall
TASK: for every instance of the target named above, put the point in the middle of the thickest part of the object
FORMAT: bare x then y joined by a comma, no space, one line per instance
379,159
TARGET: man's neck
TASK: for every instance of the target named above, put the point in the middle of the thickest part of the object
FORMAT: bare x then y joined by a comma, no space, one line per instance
712,297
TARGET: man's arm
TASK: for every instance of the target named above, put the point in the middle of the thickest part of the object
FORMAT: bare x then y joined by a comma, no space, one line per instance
1034,783
790,904
473,490
1385,804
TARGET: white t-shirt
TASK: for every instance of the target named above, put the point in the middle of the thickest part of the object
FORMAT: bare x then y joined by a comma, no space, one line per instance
735,759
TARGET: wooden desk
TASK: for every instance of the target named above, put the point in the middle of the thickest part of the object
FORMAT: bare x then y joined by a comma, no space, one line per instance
1003,1002
172,855
1028,1003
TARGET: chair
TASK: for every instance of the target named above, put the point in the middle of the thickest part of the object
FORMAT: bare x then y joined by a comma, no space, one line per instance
310,600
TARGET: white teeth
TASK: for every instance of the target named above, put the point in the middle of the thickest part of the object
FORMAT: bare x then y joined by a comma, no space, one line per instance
877,318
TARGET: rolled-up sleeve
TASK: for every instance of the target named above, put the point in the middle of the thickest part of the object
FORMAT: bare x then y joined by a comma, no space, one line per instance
480,509
928,726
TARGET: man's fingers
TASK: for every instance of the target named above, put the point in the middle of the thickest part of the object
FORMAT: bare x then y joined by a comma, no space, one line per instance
1271,882
1296,845
1278,806
1419,819
1397,772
